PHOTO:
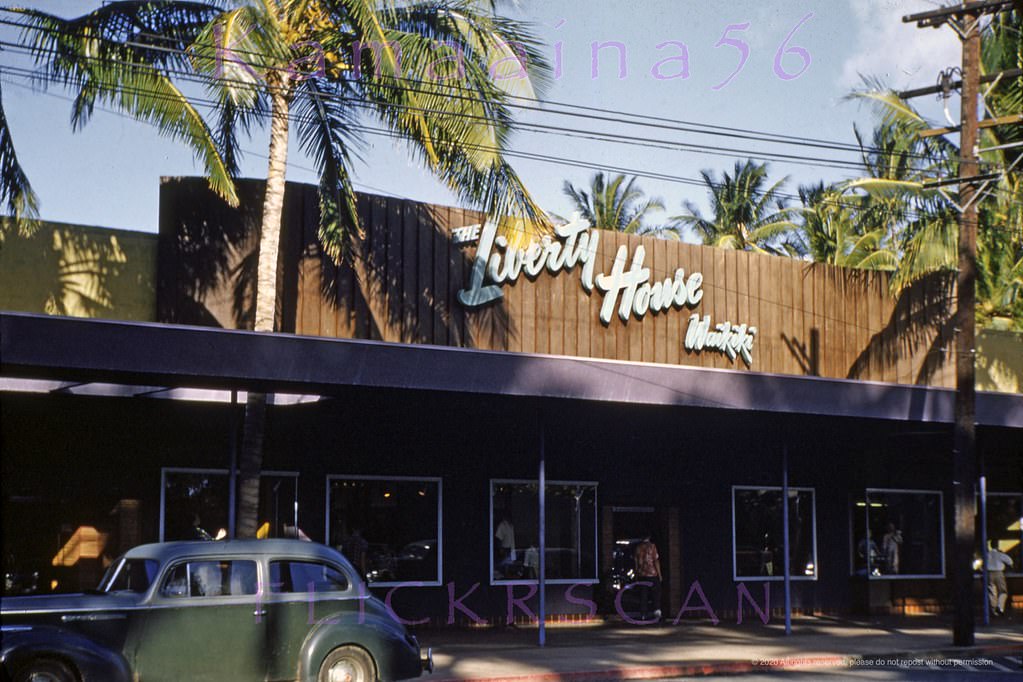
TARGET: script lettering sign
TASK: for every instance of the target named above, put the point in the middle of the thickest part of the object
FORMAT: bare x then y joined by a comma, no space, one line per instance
627,288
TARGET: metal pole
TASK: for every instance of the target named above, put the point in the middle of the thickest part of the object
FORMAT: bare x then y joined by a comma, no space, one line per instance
964,463
785,537
983,548
232,477
543,540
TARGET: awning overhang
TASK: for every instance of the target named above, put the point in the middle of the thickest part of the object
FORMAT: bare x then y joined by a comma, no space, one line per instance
174,357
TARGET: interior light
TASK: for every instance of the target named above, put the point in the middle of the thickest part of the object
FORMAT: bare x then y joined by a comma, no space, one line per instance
422,493
387,494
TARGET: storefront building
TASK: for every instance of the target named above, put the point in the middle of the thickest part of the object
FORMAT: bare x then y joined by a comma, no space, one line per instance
664,385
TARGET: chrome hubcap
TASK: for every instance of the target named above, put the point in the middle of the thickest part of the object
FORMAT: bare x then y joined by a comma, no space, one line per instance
343,671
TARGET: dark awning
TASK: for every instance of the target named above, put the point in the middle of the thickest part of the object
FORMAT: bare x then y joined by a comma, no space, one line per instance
160,355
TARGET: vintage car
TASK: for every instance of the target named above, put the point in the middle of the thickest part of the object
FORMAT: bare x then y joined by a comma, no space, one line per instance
227,610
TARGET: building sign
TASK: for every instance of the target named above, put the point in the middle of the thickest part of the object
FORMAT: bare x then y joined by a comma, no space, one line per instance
627,289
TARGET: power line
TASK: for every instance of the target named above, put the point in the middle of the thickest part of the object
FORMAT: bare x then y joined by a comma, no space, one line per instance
570,109
540,128
512,153
909,214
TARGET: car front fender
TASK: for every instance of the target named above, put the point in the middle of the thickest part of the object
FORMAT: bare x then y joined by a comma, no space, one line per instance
92,662
395,653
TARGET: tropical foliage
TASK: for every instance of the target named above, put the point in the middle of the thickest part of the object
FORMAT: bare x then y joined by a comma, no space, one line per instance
615,202
922,224
746,212
437,74
832,230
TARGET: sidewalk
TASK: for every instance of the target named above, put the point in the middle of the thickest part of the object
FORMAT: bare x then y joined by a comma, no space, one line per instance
618,651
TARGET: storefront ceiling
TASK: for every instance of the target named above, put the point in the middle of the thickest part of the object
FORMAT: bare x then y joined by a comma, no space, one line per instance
153,358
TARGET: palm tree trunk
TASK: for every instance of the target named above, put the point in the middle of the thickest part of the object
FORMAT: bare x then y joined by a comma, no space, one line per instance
250,461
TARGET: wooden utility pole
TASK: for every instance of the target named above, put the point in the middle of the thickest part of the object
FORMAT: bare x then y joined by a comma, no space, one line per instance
965,19
964,450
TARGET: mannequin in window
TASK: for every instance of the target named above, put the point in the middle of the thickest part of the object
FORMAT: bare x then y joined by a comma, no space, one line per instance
891,546
505,543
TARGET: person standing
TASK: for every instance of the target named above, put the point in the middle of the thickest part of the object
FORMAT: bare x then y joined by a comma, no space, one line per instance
998,591
648,570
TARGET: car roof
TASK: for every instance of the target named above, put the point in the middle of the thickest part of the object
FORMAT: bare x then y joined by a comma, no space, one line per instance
166,551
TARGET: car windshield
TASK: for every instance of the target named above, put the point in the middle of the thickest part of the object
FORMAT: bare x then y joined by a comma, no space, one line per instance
129,575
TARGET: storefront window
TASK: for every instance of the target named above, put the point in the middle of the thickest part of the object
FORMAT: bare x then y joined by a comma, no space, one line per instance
389,528
571,536
195,504
898,534
758,534
1004,528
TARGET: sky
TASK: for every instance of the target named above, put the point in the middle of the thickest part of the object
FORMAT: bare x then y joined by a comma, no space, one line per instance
108,173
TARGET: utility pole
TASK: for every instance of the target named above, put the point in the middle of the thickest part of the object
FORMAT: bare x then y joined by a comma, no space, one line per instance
965,19
964,442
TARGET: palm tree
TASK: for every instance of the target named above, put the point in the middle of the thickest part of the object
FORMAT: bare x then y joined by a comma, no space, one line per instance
322,65
927,233
832,234
747,214
613,203
16,193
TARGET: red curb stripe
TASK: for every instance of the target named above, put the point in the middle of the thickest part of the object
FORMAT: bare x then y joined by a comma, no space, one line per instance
735,667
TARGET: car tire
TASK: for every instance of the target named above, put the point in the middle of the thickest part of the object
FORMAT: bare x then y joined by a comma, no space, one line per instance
348,664
45,670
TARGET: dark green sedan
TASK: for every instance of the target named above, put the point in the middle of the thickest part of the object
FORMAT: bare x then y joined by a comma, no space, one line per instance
235,610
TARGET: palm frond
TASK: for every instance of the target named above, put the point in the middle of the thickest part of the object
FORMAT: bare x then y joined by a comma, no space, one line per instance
86,56
16,193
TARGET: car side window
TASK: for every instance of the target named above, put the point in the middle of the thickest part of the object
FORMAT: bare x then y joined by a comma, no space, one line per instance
212,578
305,576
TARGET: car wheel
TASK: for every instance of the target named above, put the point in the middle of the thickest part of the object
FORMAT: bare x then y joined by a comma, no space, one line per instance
45,670
348,664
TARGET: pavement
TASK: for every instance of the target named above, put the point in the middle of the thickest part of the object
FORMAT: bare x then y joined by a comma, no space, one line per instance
618,651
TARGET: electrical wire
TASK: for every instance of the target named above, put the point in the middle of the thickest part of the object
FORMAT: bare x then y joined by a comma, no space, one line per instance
570,109
547,129
671,178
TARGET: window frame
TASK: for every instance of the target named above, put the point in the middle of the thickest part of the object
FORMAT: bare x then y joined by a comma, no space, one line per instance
440,523
1017,570
349,587
866,519
554,581
215,472
158,586
776,578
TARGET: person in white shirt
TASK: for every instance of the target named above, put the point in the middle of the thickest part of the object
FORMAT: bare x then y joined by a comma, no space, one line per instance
998,591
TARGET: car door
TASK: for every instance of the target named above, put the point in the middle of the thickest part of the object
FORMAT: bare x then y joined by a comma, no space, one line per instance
206,622
302,593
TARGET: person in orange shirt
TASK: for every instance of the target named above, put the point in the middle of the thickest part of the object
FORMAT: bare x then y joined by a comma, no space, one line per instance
648,570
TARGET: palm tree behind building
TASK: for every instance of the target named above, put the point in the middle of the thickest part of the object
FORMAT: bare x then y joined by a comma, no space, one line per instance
614,202
746,213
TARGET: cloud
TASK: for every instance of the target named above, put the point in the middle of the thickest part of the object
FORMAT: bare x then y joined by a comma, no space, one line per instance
902,55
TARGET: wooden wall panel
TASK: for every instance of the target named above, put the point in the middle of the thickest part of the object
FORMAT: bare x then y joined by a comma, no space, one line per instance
811,318
756,309
659,322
